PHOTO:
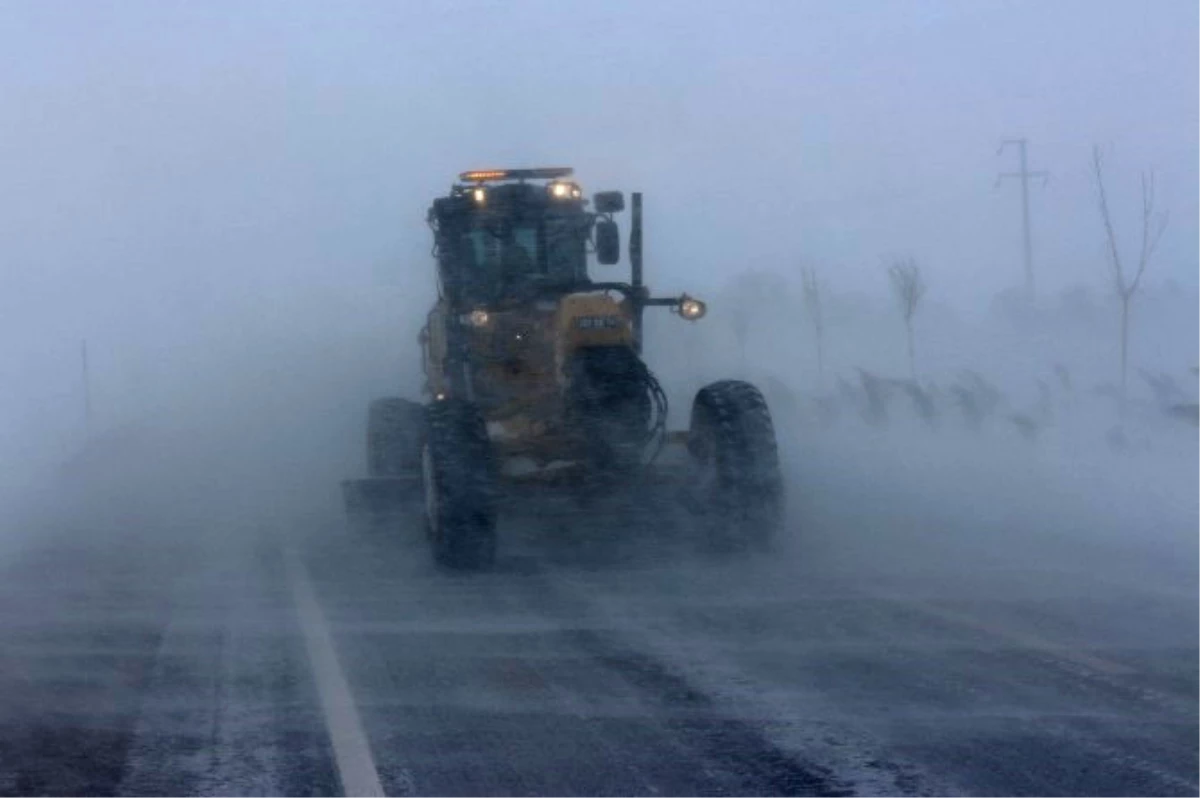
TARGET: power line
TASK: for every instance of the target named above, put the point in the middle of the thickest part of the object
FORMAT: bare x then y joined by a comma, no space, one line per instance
1024,176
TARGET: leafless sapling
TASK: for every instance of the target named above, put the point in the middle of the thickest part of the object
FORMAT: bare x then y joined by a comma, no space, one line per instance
909,288
1154,222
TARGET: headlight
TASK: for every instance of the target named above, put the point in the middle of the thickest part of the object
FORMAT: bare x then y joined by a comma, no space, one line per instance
478,317
691,309
563,190
479,195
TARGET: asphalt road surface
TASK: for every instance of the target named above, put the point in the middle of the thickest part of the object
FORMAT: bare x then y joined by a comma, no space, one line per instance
277,654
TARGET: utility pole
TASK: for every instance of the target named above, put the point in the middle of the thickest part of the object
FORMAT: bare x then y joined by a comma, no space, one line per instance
1024,176
87,389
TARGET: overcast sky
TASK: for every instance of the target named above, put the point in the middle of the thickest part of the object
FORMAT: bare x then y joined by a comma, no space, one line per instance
172,168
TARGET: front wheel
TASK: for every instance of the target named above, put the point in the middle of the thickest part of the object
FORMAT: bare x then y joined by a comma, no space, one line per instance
737,485
458,478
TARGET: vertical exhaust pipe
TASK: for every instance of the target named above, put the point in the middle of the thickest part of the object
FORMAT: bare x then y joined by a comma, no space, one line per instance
635,267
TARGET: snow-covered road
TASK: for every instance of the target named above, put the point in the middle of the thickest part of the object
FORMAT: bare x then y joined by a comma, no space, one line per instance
260,656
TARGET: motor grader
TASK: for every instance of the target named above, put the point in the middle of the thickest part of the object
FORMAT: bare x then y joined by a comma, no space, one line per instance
534,378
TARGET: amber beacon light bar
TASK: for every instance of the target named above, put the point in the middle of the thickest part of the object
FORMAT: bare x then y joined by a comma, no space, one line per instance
544,173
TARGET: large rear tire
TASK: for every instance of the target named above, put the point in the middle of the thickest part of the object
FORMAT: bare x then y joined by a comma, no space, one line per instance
458,474
395,432
738,486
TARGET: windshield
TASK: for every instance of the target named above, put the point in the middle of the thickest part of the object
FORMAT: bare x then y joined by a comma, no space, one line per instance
501,257
515,251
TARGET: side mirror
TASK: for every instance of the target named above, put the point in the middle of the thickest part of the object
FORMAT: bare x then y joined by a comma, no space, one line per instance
608,242
609,201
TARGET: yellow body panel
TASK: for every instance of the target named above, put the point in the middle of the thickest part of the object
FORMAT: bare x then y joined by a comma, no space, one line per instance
592,319
433,345
520,355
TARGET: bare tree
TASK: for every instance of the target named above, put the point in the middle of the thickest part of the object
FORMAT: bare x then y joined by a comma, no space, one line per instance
1154,222
908,287
812,303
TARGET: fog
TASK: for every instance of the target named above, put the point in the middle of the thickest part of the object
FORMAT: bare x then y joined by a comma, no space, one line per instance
987,578
226,202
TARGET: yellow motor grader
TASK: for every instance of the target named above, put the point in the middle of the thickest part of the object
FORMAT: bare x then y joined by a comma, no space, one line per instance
534,377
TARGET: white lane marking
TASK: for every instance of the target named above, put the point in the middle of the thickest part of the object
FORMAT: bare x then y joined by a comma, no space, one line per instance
351,750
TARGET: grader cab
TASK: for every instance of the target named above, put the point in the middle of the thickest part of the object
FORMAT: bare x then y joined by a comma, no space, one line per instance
534,376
